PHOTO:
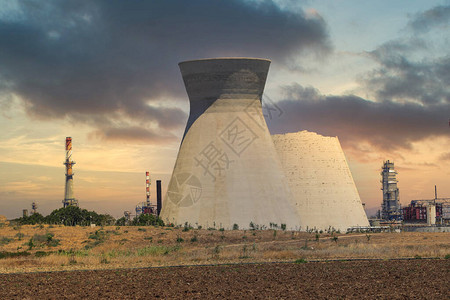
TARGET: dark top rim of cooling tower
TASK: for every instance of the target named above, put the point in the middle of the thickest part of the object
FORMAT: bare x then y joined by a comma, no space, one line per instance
207,79
224,58
233,78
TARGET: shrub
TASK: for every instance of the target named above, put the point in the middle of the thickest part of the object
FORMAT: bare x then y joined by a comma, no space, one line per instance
5,240
235,226
5,254
283,226
41,253
447,256
301,261
194,239
72,260
244,252
142,229
30,244
179,239
157,250
20,236
104,260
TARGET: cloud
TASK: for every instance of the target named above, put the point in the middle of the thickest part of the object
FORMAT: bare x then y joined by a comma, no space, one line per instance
437,16
133,134
445,156
413,69
403,79
97,60
385,125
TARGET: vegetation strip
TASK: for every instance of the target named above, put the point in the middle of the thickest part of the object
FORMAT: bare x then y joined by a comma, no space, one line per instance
231,264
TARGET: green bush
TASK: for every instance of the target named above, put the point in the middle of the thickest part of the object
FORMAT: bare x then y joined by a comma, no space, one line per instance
301,261
5,254
5,240
235,226
69,216
447,256
20,236
147,220
41,253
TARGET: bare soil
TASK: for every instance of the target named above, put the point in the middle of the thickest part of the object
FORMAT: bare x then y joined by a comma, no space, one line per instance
383,279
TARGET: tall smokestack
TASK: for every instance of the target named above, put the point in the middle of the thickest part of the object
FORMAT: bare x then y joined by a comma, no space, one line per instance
69,199
147,188
158,197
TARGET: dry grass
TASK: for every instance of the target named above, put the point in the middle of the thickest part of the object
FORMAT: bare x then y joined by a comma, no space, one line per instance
123,247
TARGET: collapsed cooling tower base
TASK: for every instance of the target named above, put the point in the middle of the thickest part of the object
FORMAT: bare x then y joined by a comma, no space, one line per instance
325,194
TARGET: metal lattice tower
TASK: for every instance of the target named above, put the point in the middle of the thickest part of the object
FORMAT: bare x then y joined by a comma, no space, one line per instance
69,199
390,208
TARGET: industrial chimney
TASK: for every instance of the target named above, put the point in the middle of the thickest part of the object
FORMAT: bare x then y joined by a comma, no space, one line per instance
227,171
69,199
158,197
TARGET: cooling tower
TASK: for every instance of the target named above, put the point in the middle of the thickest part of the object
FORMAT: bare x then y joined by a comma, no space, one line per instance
227,171
319,177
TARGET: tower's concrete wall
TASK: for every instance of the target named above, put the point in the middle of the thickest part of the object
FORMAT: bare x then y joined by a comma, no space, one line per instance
227,171
324,192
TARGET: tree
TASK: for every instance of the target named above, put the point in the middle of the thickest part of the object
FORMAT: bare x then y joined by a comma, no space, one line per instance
146,219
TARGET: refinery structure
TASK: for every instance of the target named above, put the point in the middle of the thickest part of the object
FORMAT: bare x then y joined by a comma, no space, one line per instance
148,207
418,215
228,170
390,208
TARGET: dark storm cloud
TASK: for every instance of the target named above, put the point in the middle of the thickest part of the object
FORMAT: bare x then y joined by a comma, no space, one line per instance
408,69
405,80
132,134
103,58
410,102
437,16
385,125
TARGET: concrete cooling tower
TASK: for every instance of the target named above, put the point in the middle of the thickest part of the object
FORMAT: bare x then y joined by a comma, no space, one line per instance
319,177
227,171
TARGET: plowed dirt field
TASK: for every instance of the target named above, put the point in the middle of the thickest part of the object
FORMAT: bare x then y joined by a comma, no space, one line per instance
393,279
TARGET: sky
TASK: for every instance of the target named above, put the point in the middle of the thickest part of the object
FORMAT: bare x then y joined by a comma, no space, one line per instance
374,73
